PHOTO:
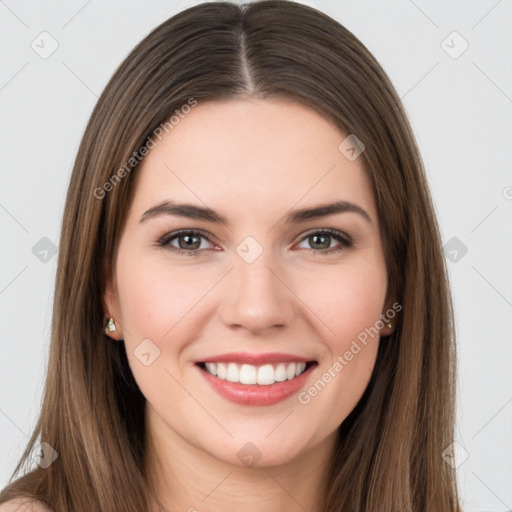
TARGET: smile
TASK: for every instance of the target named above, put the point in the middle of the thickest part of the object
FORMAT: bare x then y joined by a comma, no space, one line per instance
264,375
256,380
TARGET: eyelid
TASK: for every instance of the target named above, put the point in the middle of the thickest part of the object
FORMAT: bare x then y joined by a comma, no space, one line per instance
166,239
328,231
343,238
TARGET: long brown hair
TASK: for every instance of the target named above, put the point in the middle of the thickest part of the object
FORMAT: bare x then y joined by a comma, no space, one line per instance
389,453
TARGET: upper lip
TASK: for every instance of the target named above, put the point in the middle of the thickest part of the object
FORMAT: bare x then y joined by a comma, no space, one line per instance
255,359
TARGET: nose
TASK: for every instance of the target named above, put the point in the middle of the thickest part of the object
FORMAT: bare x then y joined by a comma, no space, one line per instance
255,297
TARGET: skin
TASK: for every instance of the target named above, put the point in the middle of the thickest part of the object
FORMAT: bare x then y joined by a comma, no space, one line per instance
252,161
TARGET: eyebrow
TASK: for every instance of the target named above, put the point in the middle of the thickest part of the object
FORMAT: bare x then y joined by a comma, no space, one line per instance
192,211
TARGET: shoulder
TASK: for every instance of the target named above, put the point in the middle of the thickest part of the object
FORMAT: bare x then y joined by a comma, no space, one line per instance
23,505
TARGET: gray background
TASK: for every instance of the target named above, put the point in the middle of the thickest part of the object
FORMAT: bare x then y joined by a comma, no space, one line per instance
460,108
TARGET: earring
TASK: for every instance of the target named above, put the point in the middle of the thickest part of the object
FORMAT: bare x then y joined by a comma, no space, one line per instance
111,326
390,325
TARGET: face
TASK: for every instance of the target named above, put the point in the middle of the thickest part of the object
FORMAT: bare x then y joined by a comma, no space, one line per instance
250,281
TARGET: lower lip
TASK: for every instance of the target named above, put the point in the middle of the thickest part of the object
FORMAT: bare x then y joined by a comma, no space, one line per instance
254,394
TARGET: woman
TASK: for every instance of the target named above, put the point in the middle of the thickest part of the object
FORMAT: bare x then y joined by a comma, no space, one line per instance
251,307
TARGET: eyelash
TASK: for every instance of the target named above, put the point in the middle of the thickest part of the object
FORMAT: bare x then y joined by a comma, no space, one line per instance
345,241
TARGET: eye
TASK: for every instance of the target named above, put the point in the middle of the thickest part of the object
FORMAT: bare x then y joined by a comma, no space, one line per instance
188,242
320,241
191,242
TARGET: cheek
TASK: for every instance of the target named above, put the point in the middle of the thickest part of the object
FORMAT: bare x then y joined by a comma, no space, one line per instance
157,304
347,299
155,297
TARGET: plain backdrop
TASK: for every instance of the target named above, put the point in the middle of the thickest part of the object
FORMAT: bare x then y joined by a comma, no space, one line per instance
457,90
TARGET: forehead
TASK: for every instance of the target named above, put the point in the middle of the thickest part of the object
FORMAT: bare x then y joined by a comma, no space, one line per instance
252,154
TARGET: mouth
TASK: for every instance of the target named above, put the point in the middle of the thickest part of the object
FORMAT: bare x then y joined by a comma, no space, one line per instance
262,383
261,375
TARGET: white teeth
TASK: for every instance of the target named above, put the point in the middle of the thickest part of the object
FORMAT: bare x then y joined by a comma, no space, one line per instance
280,372
221,370
232,373
290,371
263,375
212,368
266,375
248,374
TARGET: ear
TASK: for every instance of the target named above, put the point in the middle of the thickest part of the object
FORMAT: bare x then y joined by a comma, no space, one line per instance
389,315
110,303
